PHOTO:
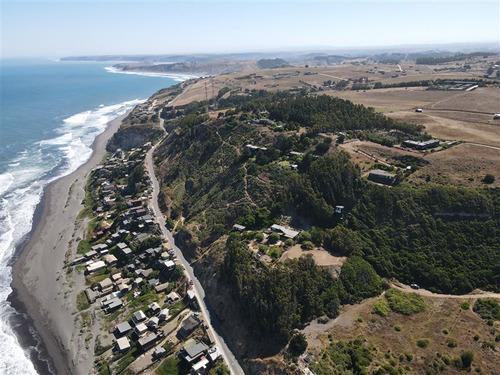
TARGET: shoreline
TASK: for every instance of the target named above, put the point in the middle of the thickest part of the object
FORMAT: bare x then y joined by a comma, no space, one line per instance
40,287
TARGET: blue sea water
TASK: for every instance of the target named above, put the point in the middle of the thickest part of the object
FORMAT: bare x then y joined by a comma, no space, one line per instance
50,113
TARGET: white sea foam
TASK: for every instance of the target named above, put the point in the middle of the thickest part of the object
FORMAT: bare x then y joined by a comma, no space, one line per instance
6,180
21,189
176,77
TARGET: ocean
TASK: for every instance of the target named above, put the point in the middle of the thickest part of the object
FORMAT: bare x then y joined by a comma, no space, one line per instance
50,113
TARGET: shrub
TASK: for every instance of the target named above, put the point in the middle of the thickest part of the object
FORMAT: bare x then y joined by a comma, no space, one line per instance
423,343
489,179
457,363
467,357
487,308
476,337
360,319
307,245
451,343
488,345
465,305
446,359
259,236
398,327
445,331
409,356
381,308
304,236
405,303
273,238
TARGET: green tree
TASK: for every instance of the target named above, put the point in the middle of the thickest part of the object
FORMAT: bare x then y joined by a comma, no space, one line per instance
359,279
297,345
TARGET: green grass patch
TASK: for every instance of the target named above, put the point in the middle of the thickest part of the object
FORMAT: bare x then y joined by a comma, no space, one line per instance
104,369
97,277
274,252
83,246
144,300
176,308
86,319
126,360
169,366
381,308
82,302
404,303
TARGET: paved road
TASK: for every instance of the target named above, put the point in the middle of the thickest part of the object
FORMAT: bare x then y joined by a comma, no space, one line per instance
210,320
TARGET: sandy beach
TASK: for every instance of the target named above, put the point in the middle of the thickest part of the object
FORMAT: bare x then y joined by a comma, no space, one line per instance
40,281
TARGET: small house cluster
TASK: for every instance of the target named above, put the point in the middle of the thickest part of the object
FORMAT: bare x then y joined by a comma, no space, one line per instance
134,280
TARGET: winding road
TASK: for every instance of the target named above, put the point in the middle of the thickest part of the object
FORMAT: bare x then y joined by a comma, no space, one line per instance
210,320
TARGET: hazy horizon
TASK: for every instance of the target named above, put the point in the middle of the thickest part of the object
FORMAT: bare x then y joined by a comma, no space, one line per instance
43,29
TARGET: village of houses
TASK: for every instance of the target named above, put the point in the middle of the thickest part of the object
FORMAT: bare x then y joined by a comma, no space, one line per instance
137,289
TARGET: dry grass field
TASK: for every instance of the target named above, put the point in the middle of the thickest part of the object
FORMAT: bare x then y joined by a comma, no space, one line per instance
462,165
442,321
453,129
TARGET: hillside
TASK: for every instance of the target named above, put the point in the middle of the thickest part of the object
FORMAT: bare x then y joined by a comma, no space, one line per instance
263,159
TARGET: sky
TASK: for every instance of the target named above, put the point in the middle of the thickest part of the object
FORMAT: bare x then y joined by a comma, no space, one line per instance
70,28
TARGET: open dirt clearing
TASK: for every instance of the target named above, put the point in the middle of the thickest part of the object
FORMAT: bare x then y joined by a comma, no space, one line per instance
322,257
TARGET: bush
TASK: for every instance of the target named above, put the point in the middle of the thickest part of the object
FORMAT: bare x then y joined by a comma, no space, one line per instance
307,245
381,308
465,305
467,357
304,236
273,238
451,343
489,179
405,303
487,308
259,236
446,360
409,356
398,327
457,363
423,343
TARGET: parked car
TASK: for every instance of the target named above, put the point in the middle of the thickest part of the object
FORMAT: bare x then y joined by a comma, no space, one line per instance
414,286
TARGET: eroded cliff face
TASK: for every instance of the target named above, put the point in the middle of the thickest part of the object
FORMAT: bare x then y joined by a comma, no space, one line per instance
143,123
133,136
